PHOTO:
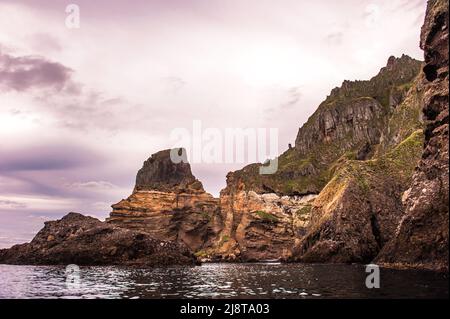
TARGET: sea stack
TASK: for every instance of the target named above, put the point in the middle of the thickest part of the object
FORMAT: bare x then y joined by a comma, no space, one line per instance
170,204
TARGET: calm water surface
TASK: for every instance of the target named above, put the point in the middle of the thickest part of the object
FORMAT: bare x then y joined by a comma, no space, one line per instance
262,280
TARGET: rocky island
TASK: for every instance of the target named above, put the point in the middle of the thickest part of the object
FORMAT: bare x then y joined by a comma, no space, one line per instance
83,240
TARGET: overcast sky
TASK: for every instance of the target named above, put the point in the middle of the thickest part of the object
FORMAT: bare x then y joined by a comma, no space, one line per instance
81,109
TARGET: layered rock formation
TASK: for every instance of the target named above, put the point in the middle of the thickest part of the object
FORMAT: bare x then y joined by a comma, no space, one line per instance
82,240
421,239
260,226
169,203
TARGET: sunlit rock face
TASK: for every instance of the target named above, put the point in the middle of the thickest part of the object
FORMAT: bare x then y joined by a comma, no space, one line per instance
260,226
169,203
421,239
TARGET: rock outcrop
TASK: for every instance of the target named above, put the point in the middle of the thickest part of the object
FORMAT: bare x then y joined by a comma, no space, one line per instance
161,173
421,239
83,240
170,204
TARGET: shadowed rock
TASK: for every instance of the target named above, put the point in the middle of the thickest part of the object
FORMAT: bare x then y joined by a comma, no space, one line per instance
83,240
421,239
159,172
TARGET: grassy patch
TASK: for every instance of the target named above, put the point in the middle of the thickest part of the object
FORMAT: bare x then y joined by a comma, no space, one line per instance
205,215
266,216
303,211
201,254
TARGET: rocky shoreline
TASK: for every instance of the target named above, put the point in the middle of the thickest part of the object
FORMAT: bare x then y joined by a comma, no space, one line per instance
83,240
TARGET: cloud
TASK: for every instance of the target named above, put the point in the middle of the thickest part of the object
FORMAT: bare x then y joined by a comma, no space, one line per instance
44,42
174,84
10,204
99,185
27,72
294,96
47,158
335,38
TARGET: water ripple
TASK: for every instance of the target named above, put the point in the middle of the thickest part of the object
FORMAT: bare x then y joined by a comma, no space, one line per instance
220,281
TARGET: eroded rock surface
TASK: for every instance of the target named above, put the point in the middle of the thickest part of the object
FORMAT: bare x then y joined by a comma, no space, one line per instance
260,226
83,240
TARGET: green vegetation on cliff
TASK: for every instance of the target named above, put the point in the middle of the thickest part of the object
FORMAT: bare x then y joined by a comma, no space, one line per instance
398,163
358,210
266,216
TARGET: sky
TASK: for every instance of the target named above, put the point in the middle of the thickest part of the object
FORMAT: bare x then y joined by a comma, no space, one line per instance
82,108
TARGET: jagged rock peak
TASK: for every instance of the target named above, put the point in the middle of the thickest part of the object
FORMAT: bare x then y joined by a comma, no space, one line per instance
397,71
404,62
392,61
161,173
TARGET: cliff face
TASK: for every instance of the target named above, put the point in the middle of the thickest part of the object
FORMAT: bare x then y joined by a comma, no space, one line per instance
421,239
356,112
169,203
82,240
382,208
353,140
350,123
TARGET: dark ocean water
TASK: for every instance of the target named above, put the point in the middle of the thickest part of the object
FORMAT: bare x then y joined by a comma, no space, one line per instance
261,280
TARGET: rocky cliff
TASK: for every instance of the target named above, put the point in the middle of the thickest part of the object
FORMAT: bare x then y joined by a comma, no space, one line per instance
82,240
356,134
169,203
351,122
421,239
383,209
